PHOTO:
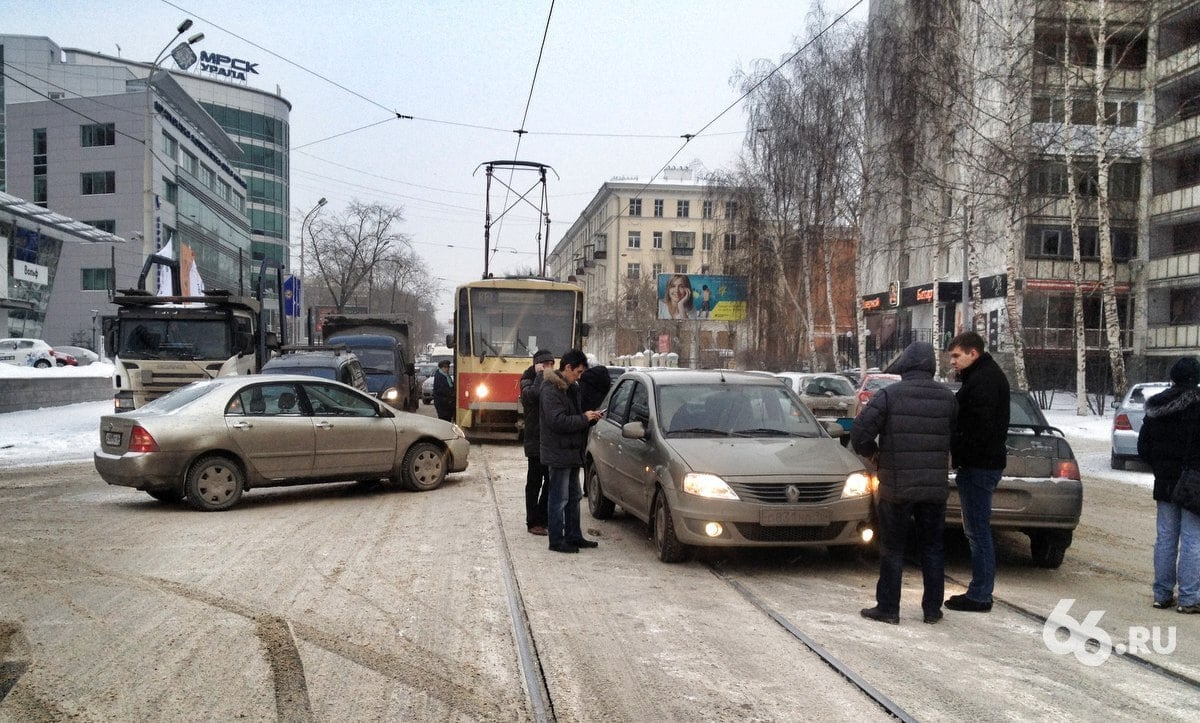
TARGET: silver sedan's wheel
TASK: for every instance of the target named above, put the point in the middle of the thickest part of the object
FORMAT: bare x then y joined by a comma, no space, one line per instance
666,544
600,506
424,467
215,483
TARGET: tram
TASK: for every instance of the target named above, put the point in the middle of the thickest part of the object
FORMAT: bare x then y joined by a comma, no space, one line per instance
499,323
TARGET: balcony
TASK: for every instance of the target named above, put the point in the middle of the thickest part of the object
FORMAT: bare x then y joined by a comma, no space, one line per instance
1176,202
1053,76
1173,267
683,250
1177,133
1184,337
1182,62
1064,339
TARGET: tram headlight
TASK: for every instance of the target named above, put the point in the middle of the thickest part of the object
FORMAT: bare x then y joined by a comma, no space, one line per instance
481,391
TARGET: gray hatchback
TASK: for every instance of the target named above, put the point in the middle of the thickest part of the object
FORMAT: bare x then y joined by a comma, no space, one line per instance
1127,421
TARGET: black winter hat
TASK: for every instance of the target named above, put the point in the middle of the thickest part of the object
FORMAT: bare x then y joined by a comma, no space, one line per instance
543,355
1186,372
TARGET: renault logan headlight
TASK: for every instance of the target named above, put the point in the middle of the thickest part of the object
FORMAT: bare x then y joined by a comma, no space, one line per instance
707,485
857,484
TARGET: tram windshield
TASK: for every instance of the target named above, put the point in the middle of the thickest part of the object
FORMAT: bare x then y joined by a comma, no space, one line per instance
518,322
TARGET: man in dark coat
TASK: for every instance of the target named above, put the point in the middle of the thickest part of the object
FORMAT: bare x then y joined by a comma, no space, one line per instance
979,451
564,430
913,420
537,476
594,385
443,392
1169,442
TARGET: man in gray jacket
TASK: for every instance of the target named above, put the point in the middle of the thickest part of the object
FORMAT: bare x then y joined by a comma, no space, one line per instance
912,421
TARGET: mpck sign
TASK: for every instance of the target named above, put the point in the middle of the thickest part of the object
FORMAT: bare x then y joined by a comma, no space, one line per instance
225,66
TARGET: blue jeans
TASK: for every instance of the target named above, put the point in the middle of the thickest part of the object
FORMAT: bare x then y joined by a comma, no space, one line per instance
975,488
1177,554
894,518
565,495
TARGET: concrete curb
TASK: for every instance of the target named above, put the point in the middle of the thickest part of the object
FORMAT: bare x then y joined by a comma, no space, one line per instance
17,395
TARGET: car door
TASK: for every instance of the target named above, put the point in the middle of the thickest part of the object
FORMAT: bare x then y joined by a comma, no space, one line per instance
351,438
641,455
606,447
275,439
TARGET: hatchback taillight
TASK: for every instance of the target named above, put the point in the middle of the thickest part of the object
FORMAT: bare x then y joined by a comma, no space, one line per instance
1122,422
864,397
141,441
1066,469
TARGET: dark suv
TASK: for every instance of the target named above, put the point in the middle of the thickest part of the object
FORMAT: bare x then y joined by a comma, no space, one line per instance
327,361
1040,493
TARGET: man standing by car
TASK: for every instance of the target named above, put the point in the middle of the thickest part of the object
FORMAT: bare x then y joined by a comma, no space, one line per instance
912,419
979,452
537,476
564,429
443,392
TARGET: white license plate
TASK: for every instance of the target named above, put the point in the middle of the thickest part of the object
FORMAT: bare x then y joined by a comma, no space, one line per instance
112,439
793,517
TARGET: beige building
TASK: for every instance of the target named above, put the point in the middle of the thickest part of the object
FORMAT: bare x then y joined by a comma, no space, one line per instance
631,232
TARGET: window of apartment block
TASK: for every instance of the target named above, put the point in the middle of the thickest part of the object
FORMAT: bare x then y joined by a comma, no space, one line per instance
731,209
633,270
656,239
682,208
97,134
730,241
635,240
170,146
655,269
705,269
1048,110
97,182
635,207
170,191
100,279
1125,180
706,242
1185,306
1048,178
658,208
683,241
1121,113
681,268
191,164
706,208
108,225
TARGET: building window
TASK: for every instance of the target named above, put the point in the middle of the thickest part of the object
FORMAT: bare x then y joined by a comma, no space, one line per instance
706,242
730,241
658,208
170,191
731,209
1048,179
207,177
40,168
706,269
635,239
706,209
170,146
682,208
1048,110
224,190
97,182
635,207
96,279
683,242
633,271
1125,180
681,268
656,239
108,225
656,269
98,134
191,164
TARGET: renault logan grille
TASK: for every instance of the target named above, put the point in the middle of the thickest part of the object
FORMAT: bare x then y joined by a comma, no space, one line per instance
801,493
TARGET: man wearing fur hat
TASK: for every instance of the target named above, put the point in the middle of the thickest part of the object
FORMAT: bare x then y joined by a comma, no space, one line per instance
564,430
1170,443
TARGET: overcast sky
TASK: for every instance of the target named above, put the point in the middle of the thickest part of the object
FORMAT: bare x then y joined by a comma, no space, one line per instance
619,82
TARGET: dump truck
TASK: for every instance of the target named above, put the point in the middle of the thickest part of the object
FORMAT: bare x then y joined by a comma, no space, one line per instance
382,346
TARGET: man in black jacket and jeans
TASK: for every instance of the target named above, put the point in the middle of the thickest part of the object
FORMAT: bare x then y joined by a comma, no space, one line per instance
537,476
564,430
913,420
979,452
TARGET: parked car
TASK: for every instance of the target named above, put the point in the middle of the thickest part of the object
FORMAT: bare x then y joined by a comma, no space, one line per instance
26,352
425,370
83,356
1127,421
427,390
1040,493
723,458
871,383
63,359
212,440
327,361
829,396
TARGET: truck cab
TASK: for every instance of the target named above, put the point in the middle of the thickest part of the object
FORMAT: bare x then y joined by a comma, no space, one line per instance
381,345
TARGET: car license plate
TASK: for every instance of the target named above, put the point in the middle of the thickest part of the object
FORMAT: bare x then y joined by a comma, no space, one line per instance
112,439
793,516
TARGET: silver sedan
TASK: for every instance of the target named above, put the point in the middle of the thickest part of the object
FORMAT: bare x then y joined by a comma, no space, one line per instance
210,441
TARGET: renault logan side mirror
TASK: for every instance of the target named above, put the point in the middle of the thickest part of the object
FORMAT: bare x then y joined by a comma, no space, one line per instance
835,430
634,430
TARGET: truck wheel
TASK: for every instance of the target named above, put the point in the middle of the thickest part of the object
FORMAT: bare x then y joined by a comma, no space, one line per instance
1049,547
424,467
214,483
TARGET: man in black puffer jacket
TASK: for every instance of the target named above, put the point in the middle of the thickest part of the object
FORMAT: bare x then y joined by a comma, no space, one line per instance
979,452
564,430
913,420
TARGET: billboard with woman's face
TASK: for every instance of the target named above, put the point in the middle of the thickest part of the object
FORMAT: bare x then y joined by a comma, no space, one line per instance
701,296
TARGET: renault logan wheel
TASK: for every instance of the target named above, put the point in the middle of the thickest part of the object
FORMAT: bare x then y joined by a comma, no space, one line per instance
215,483
599,506
1049,547
666,544
424,467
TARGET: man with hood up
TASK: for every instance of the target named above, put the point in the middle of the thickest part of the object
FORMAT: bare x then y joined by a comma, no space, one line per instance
1170,443
906,429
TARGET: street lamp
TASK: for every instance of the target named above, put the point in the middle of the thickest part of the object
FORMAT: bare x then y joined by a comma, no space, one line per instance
298,289
181,55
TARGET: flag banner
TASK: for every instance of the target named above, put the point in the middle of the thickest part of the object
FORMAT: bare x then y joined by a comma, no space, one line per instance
165,287
292,304
189,272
